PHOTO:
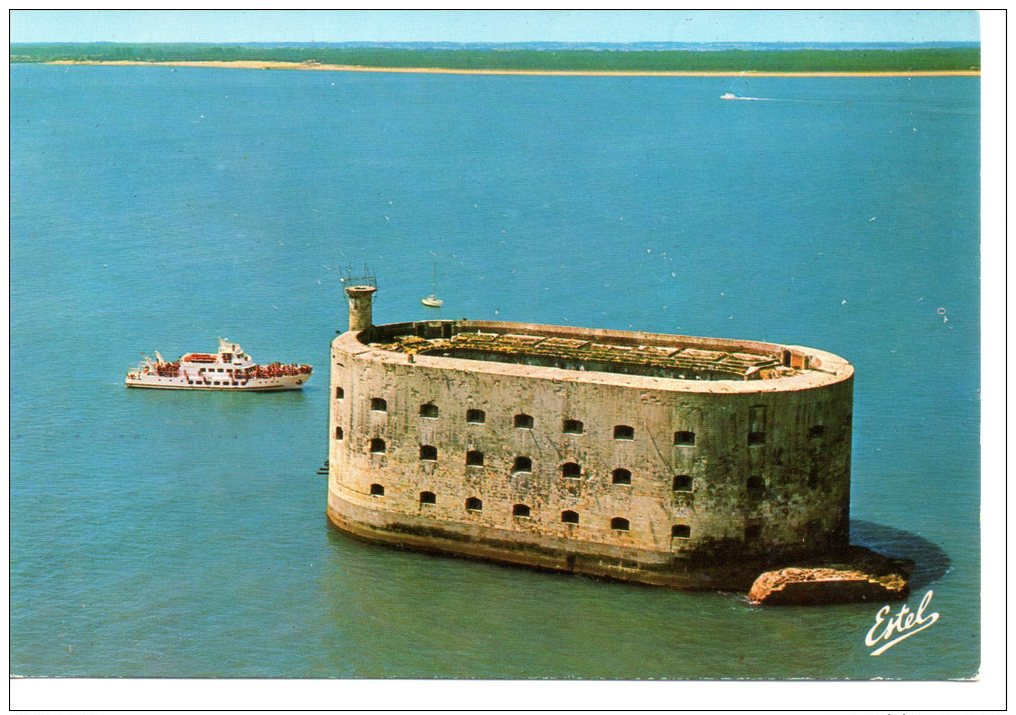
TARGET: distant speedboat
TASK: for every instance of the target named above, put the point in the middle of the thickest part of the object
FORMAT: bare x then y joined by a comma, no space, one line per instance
728,95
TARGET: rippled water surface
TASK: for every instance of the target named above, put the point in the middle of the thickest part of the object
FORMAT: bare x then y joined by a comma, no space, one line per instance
175,534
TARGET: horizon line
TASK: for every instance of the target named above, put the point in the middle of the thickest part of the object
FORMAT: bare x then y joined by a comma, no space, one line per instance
505,44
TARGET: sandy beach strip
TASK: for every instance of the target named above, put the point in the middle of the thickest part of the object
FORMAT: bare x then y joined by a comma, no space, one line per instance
313,66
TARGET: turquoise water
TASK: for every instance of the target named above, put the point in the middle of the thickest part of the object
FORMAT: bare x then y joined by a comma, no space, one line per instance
175,534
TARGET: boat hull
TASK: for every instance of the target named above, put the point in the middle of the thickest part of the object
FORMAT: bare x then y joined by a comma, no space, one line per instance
279,384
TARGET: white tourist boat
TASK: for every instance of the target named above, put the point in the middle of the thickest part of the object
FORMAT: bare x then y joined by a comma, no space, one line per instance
228,369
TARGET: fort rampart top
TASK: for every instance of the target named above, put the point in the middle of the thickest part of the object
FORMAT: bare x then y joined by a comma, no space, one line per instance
683,363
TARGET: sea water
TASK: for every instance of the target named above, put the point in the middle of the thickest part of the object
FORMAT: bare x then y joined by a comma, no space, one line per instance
184,534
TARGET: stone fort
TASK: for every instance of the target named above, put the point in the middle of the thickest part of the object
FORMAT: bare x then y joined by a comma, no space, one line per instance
671,460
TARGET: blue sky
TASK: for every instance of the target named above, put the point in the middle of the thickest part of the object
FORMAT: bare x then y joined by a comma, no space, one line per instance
492,26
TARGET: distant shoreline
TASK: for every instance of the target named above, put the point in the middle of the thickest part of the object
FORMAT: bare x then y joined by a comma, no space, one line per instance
313,66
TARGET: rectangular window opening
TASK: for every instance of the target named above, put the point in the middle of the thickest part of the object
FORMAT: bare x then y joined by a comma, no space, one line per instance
684,439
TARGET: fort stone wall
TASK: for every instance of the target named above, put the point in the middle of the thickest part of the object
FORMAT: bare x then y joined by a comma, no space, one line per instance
644,478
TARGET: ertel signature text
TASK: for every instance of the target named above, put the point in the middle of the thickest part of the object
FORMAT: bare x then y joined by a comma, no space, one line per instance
890,630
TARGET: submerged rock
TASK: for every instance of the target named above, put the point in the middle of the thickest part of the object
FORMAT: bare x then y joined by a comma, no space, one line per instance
829,584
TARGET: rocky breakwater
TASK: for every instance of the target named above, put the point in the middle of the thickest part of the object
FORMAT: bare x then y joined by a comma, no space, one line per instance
858,575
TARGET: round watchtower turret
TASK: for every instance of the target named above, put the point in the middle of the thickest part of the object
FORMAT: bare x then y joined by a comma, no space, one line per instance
361,299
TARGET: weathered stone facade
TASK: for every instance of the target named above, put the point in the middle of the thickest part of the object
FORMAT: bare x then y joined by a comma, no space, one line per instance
686,482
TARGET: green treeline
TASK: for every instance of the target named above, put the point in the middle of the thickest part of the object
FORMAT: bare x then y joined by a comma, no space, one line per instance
860,60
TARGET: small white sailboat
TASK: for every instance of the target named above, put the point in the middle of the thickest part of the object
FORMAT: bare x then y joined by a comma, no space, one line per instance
432,301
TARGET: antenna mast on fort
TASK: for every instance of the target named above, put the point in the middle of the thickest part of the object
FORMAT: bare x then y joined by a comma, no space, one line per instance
365,278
